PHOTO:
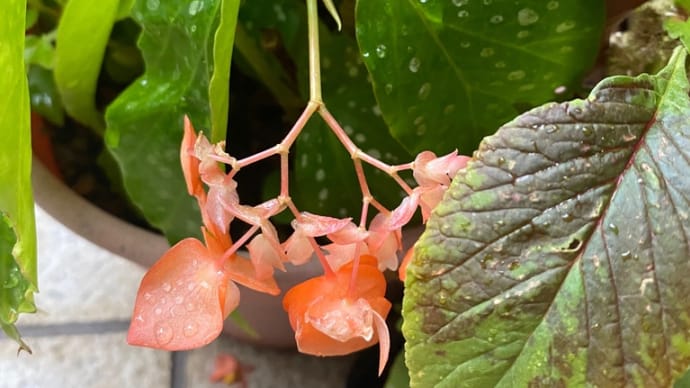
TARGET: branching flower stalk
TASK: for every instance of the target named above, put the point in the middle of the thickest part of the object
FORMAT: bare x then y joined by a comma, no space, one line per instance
184,298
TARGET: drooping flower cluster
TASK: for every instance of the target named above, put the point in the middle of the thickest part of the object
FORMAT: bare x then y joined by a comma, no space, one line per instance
184,298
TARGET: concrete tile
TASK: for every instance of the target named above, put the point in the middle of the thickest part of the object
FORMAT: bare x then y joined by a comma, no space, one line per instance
272,368
94,361
79,281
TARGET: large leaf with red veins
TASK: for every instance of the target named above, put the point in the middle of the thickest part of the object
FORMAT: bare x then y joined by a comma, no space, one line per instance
559,256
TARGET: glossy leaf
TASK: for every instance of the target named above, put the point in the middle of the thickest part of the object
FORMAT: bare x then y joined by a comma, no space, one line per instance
447,73
219,92
38,50
45,98
559,256
145,121
78,60
18,278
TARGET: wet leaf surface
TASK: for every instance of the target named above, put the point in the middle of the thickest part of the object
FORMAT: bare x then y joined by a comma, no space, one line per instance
447,73
559,256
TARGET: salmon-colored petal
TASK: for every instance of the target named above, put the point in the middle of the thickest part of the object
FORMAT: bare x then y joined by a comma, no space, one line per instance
330,319
402,270
190,164
314,225
180,302
241,270
297,248
264,256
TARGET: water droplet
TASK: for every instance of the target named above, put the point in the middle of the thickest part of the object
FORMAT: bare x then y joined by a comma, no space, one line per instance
527,87
523,34
190,307
486,52
551,5
421,130
500,65
527,16
565,26
190,328
152,5
567,217
516,75
158,311
418,120
166,287
164,333
560,90
488,2
463,14
448,109
424,91
195,6
514,265
551,128
465,44
414,64
460,3
626,255
587,131
388,88
496,19
381,51
613,228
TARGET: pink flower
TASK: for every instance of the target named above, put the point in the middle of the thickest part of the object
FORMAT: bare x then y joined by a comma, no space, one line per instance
298,245
330,318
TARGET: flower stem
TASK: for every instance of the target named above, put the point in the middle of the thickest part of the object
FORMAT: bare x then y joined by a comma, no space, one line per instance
314,64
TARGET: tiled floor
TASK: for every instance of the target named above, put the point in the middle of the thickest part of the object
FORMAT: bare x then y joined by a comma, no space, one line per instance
78,335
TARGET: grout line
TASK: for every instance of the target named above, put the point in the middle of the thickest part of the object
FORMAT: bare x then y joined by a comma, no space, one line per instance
178,369
73,328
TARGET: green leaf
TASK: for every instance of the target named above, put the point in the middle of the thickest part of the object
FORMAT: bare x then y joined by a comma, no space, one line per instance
559,256
398,377
82,36
18,277
219,88
678,30
45,98
447,73
145,122
38,50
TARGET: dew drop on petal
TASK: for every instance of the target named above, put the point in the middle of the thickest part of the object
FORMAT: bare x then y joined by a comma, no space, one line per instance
164,333
552,5
190,328
166,287
463,14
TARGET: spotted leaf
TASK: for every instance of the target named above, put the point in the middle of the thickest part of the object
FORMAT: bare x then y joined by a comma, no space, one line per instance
559,256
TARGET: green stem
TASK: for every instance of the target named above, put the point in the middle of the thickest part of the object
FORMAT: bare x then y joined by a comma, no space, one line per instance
314,64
